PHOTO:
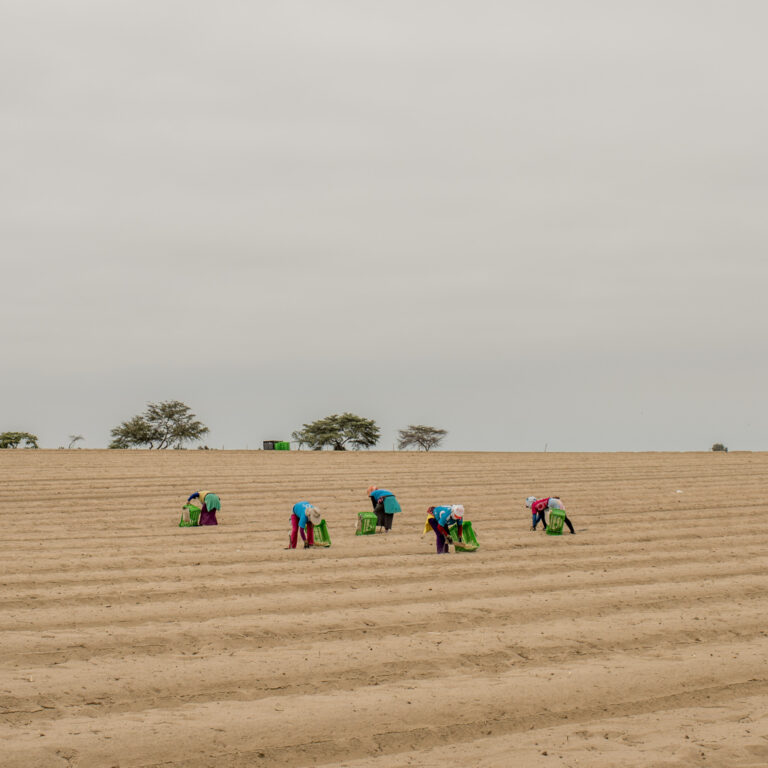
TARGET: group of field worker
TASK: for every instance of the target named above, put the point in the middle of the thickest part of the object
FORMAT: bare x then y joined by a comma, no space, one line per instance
441,519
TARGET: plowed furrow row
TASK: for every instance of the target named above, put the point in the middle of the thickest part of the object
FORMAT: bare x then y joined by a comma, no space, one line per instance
129,641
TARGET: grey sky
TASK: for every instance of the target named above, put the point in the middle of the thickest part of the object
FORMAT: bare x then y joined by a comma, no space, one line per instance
525,222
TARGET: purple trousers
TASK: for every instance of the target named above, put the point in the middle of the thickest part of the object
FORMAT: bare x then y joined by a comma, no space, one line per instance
440,541
208,516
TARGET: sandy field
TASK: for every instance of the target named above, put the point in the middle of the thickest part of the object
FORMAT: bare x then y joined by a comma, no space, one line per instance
128,641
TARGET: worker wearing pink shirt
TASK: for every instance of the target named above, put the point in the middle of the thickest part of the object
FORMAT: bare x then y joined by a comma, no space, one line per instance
539,507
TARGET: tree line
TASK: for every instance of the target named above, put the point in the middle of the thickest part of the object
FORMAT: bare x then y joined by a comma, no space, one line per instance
339,431
171,424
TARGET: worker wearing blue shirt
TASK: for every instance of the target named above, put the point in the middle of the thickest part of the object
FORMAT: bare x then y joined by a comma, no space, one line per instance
304,518
441,519
383,500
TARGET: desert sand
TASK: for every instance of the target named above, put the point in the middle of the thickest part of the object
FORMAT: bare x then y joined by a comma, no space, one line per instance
128,641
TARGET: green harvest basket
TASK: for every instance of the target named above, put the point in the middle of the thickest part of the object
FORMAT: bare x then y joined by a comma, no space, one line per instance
322,539
556,520
469,543
190,516
282,445
366,523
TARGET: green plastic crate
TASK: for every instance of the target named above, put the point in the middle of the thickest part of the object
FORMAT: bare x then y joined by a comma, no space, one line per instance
322,539
556,521
467,534
366,523
190,516
282,445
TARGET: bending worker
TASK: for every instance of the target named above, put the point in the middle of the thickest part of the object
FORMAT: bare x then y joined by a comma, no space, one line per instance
441,520
382,501
304,518
210,503
539,507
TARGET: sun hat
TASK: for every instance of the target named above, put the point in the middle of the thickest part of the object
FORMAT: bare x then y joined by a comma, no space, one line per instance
371,489
314,516
529,501
457,510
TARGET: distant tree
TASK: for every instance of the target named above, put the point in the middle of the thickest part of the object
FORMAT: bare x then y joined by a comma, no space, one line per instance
719,447
169,424
299,438
16,439
134,433
74,439
420,435
338,431
174,423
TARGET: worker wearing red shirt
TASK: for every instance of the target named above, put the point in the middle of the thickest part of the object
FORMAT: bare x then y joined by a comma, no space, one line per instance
539,506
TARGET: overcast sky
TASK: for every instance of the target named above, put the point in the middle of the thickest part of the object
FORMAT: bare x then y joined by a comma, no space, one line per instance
529,223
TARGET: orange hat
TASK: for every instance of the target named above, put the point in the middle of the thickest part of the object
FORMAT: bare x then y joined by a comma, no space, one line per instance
371,489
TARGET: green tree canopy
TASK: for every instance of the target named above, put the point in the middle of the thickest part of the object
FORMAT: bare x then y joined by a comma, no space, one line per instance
421,436
169,424
299,438
16,439
338,431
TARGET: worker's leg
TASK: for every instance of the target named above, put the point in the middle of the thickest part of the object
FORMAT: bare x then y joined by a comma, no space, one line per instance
388,521
208,516
379,510
440,539
294,530
569,524
310,534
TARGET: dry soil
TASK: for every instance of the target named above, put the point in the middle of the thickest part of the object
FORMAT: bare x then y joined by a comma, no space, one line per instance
128,641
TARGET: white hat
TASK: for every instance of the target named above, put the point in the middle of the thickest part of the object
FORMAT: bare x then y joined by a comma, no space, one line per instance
314,516
529,501
457,511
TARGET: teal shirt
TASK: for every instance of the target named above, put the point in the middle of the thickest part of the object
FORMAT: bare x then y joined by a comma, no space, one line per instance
300,510
444,517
